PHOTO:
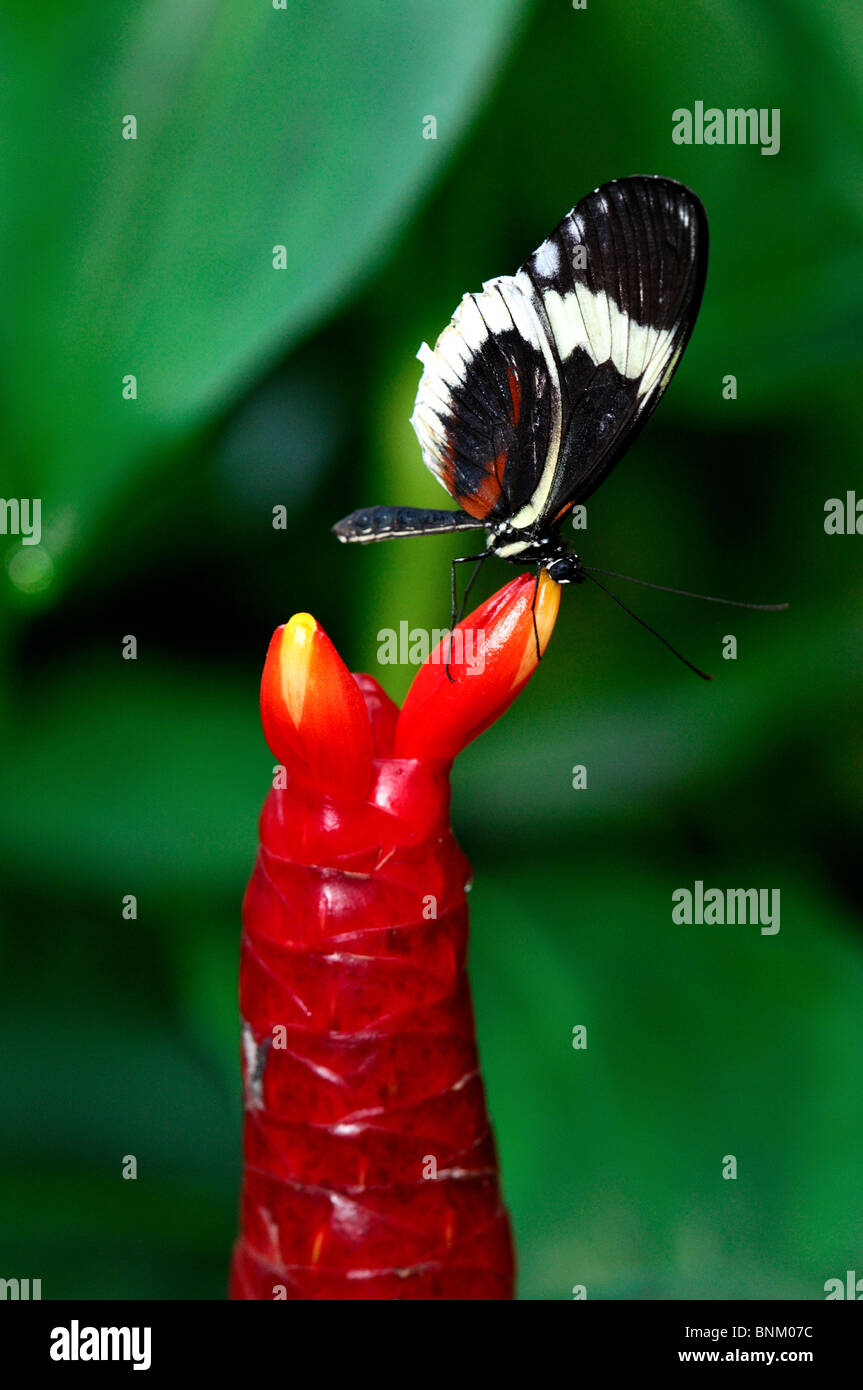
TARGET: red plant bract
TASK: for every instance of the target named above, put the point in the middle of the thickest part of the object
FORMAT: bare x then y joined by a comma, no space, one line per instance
370,1170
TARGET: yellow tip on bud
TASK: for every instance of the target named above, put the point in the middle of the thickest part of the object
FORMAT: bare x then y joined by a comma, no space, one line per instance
314,716
295,655
547,605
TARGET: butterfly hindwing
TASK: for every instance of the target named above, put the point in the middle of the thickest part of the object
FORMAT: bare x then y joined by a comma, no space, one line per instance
487,401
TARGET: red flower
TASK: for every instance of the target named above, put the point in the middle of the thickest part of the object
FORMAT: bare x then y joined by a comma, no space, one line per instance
370,1170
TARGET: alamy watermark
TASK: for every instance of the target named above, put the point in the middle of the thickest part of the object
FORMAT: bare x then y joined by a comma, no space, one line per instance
850,1287
734,126
465,646
20,1289
844,515
21,516
77,1343
727,906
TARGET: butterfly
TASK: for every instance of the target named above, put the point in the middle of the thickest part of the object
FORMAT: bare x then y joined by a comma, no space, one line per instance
541,382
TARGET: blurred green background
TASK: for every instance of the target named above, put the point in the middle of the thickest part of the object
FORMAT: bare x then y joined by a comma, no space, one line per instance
260,127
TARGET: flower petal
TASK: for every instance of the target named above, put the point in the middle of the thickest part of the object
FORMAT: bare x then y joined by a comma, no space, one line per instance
313,713
492,656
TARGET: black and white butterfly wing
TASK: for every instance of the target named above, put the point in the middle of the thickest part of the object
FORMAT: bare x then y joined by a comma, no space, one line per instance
539,384
619,283
487,413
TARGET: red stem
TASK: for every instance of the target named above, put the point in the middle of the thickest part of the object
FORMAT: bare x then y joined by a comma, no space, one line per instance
370,1165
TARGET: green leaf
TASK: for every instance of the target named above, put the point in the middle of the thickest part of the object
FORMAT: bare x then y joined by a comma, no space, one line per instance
256,128
702,1041
144,780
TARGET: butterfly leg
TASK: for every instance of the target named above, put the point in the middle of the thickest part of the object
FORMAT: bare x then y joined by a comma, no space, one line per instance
533,610
470,583
458,609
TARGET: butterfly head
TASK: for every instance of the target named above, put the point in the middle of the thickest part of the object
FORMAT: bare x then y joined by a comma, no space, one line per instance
565,568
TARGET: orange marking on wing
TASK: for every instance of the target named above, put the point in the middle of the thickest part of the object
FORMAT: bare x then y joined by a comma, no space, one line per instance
563,511
481,502
447,471
515,394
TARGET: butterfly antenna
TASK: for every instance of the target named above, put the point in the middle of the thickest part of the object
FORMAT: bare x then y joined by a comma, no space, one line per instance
686,593
680,657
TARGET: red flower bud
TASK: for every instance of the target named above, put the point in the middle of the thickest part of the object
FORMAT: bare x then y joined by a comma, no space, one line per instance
492,662
314,716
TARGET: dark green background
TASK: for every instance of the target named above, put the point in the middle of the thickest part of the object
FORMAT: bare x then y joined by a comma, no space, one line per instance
257,387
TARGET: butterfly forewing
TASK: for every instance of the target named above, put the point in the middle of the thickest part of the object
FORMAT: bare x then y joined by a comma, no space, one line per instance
630,266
